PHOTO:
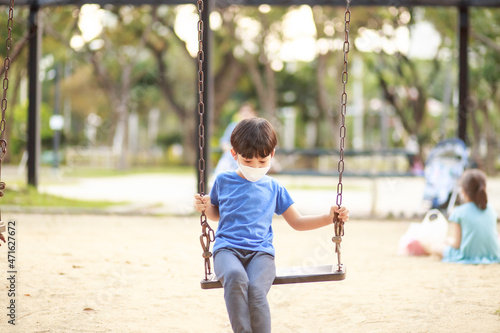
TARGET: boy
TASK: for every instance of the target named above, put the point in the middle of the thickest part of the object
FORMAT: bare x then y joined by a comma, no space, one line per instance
244,202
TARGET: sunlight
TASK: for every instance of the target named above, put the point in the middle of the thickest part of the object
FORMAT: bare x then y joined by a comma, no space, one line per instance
299,33
186,27
420,41
90,24
425,41
298,29
393,41
90,21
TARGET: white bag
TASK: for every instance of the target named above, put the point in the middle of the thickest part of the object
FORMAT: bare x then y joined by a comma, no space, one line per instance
421,237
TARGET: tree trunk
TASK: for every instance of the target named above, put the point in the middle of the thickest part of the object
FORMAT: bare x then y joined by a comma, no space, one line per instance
265,87
325,105
120,146
226,80
491,142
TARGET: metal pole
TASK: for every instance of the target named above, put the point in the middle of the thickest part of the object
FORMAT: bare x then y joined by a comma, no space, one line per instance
207,87
57,113
34,138
463,75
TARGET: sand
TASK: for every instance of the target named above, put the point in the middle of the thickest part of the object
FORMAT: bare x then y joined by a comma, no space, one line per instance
110,273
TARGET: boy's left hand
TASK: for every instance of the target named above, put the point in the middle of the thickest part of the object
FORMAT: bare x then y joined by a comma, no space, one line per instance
342,211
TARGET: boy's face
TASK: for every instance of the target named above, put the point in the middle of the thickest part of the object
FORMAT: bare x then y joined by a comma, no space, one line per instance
255,162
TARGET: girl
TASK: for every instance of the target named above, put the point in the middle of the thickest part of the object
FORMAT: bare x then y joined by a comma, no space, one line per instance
474,225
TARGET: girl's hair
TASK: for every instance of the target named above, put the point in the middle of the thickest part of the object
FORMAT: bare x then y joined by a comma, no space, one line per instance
473,182
254,137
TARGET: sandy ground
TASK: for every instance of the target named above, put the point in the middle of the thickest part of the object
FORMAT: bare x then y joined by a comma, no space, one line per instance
108,273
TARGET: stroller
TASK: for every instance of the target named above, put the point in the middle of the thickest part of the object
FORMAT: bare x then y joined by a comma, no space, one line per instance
444,166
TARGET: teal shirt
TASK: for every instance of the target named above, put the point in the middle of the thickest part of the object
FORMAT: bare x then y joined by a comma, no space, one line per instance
479,243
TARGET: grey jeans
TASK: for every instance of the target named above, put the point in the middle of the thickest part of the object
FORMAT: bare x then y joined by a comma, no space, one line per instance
246,277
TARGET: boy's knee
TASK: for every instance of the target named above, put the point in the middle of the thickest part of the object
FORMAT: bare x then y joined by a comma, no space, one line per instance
256,290
235,278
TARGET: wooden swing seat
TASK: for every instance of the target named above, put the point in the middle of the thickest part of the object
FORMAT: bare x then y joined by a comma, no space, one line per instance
294,275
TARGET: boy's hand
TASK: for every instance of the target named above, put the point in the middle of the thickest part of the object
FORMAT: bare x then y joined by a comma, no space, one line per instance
342,211
201,204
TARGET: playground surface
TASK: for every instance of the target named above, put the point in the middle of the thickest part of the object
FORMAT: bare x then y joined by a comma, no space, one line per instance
136,267
118,273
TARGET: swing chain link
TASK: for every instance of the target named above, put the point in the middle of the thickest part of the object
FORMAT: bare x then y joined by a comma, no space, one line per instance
339,225
207,233
5,84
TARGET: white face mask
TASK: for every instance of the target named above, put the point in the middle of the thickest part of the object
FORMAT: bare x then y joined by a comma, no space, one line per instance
253,174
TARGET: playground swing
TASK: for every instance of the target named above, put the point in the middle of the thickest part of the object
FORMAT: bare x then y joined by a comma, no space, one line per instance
6,66
283,275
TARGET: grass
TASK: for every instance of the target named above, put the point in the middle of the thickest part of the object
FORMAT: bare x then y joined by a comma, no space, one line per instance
18,194
325,187
29,197
92,172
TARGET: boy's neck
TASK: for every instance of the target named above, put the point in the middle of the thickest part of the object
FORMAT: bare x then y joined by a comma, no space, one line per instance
238,172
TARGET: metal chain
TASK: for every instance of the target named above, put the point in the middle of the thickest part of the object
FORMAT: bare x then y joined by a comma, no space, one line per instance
6,66
207,233
339,225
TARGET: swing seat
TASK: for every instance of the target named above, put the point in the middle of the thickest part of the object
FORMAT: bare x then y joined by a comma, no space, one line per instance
294,275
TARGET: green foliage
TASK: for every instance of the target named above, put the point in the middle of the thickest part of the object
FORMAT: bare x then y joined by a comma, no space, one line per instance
485,86
18,120
30,197
172,88
88,172
169,139
18,29
485,68
296,84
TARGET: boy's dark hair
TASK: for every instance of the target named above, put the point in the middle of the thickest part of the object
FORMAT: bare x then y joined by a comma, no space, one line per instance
254,137
473,182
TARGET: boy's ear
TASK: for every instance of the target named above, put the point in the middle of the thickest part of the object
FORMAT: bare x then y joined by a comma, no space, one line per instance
272,154
233,153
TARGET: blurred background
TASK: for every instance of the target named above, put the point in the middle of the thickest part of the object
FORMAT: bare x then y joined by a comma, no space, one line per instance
119,86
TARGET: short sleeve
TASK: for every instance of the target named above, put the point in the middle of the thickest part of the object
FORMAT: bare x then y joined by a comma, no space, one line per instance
283,200
214,193
455,216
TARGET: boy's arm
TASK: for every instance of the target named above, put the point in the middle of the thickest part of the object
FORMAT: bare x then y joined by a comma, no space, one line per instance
212,212
2,229
309,222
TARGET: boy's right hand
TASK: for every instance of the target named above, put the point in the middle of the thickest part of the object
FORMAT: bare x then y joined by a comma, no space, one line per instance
201,204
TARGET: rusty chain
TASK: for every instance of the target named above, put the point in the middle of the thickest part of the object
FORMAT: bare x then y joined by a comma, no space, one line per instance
339,225
6,66
207,233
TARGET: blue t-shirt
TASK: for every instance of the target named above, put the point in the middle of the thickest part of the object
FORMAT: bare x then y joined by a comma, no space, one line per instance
246,211
479,243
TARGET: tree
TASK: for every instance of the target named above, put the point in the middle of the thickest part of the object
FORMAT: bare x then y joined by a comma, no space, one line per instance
406,82
17,72
485,87
116,56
